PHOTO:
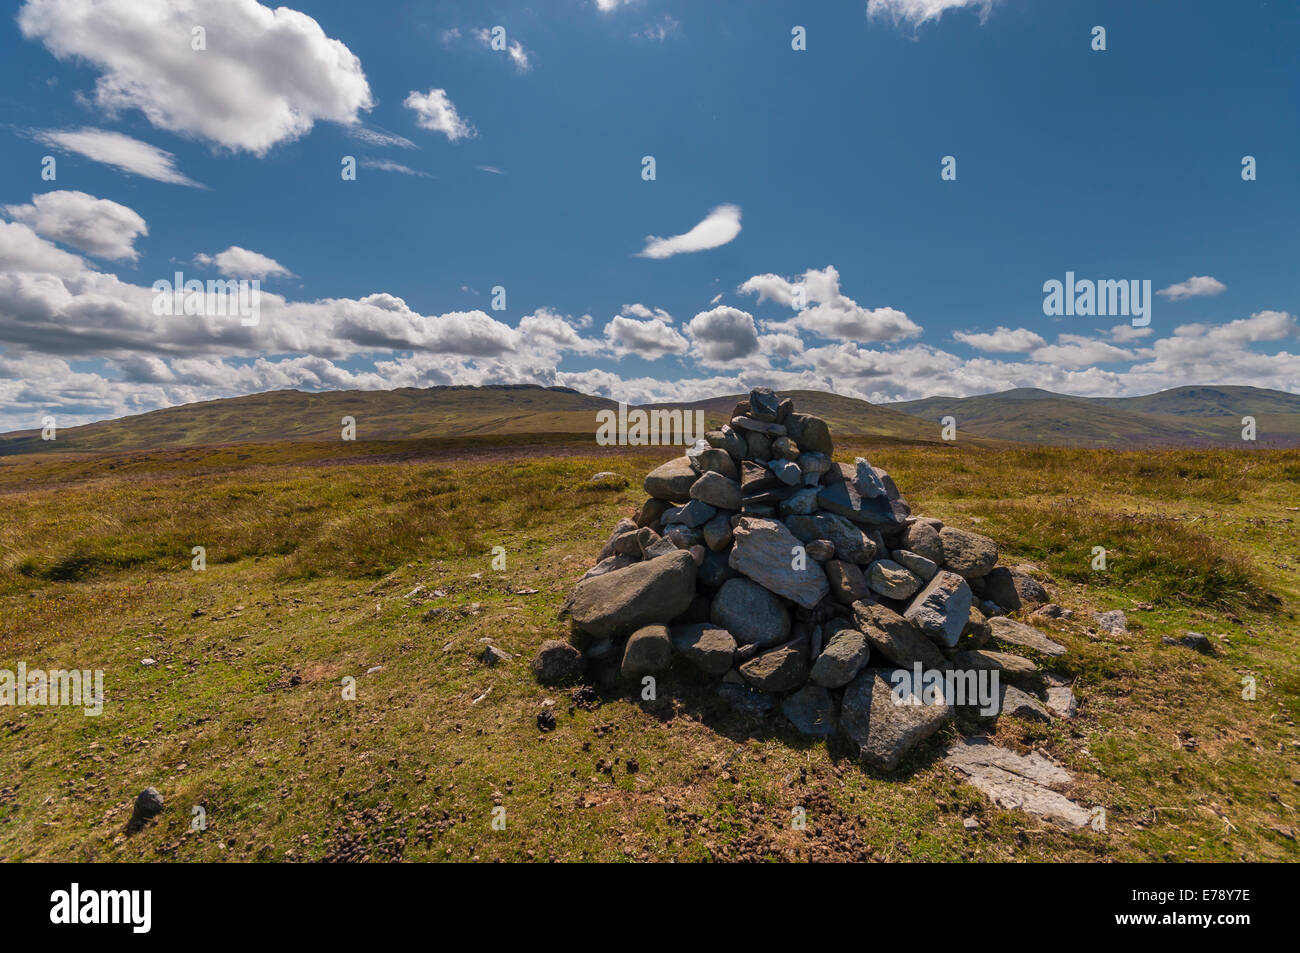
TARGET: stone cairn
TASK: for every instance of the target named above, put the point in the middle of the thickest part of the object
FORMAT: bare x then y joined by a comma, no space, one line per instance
794,580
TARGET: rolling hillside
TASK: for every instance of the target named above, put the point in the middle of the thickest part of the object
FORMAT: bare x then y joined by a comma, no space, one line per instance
1189,416
1185,416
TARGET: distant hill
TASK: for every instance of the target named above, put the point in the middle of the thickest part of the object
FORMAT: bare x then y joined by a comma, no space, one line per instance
1183,416
419,414
1187,416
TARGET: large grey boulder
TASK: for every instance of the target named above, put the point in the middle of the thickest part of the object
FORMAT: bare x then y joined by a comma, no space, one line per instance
717,490
845,498
671,481
708,459
780,670
841,660
872,718
648,650
764,405
942,608
968,554
751,613
892,580
894,638
868,480
622,601
693,514
984,660
764,550
810,433
728,440
706,646
924,569
923,539
1013,589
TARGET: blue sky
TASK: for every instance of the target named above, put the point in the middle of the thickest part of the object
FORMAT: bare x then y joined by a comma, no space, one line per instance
522,168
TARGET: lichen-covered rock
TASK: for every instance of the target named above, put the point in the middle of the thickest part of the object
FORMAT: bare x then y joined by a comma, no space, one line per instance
892,580
969,555
894,638
780,670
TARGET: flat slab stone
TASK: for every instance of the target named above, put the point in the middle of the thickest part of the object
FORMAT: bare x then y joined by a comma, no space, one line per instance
764,551
896,639
1017,633
1013,666
1027,783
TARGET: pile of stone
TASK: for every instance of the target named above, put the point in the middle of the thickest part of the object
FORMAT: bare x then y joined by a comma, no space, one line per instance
796,581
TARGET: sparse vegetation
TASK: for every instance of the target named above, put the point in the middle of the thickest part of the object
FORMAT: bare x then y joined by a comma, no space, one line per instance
315,555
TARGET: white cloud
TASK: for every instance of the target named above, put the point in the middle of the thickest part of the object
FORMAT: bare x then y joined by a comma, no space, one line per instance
1074,352
23,252
121,152
98,227
514,49
265,77
829,314
379,138
434,111
1126,333
236,262
651,339
388,165
642,311
720,226
1196,286
1002,340
605,6
917,12
723,335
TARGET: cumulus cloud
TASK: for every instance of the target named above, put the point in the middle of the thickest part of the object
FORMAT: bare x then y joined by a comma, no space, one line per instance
121,152
236,262
23,252
650,339
1073,351
272,84
642,311
1001,341
1197,286
723,334
917,12
434,111
720,226
98,227
826,311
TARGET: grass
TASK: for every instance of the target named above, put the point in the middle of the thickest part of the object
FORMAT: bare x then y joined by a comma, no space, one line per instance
314,556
